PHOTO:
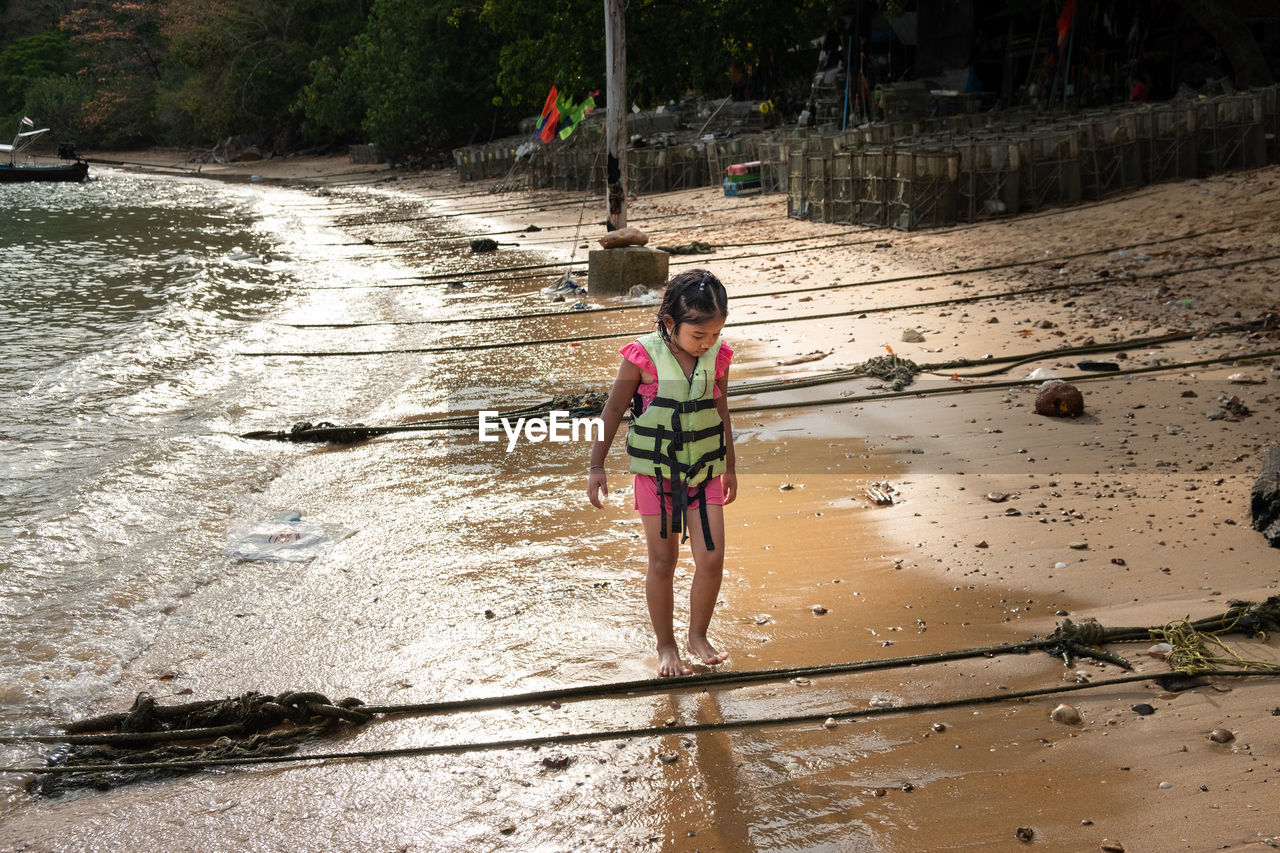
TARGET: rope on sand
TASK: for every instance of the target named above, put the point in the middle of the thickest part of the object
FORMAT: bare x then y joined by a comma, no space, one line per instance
257,728
412,281
738,324
54,780
591,403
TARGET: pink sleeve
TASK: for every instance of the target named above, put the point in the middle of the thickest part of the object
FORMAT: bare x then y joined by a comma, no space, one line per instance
639,356
723,358
722,364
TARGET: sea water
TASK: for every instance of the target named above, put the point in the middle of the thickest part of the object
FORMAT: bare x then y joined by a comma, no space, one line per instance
127,305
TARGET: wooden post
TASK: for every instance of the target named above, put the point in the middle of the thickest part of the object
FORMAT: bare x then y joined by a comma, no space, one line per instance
615,49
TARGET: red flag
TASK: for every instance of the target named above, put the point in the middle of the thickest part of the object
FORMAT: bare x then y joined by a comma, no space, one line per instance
550,117
1066,18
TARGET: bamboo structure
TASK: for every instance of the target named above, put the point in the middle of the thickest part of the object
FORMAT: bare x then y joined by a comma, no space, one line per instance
923,172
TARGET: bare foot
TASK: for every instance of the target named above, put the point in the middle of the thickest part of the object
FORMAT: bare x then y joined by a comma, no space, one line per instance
701,648
669,662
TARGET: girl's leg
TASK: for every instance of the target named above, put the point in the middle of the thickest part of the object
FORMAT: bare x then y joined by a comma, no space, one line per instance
708,571
658,591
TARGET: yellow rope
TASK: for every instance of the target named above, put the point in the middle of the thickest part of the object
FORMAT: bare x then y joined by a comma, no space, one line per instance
1191,653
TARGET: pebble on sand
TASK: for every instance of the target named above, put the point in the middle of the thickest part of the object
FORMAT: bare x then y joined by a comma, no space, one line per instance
1065,713
912,336
1222,736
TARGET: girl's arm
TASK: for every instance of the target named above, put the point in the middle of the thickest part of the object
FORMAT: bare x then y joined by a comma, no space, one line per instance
730,461
624,388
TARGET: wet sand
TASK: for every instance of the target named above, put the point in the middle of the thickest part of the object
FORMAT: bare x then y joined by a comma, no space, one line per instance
1136,513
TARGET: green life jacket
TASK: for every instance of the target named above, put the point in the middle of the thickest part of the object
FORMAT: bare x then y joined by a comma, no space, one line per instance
679,438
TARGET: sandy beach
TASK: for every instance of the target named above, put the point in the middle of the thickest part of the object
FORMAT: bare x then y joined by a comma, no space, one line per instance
1002,524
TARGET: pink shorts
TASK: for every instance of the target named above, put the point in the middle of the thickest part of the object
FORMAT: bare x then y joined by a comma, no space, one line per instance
646,494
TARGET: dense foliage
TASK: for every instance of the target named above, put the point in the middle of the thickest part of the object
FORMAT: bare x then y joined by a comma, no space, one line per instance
407,74
416,75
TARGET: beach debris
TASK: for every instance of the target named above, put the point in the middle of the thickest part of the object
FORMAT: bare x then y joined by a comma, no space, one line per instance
786,487
696,247
623,237
898,372
456,285
566,286
1059,399
881,494
507,828
557,762
1232,409
1160,651
1265,498
1109,846
638,291
912,336
1097,365
482,245
1066,714
1142,709
883,700
1222,735
762,619
1059,565
939,727
879,792
997,497
1164,786
1024,834
1078,546
286,538
1189,393
816,355
1244,379
579,306
829,723
668,757
982,543
818,610
1041,373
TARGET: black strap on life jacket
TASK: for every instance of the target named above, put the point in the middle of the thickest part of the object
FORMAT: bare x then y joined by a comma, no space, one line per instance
680,474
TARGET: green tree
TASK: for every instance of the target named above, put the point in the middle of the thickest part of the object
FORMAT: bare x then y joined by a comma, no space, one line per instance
118,47
421,75
28,59
236,67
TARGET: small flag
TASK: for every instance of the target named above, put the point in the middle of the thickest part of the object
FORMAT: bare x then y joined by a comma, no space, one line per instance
575,114
550,116
1067,19
28,122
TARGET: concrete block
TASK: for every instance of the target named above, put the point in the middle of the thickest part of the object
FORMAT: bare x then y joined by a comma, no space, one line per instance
613,272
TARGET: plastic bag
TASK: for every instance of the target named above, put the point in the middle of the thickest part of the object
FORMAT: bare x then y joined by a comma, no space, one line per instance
285,539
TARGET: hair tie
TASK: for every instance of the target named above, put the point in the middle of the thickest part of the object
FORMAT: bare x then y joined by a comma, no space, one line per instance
702,285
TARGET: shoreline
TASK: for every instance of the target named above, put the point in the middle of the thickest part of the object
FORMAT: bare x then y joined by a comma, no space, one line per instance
1144,477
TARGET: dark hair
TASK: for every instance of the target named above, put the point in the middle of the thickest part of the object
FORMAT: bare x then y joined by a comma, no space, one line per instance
693,296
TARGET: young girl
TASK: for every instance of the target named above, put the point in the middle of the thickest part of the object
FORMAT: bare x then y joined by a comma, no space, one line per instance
675,382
